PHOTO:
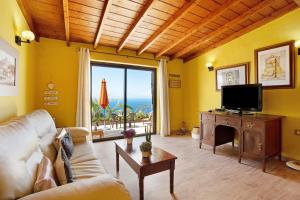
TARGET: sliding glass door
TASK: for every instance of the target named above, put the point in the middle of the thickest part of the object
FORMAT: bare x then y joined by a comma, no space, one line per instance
131,102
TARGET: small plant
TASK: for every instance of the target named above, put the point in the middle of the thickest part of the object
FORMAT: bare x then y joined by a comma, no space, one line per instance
129,133
146,147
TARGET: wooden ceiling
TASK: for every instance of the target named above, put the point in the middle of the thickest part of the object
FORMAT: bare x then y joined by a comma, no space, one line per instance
177,28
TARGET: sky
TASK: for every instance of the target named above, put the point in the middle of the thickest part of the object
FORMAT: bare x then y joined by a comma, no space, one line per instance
138,83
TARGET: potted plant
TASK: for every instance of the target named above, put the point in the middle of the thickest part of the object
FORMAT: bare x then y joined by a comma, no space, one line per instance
146,147
128,135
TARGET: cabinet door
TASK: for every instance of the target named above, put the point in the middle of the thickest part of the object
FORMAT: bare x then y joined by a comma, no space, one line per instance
252,142
207,133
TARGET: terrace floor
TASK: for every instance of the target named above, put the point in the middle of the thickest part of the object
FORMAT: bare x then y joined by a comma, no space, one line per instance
115,131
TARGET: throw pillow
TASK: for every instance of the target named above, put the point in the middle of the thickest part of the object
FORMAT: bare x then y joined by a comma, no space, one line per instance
63,168
67,144
45,176
59,136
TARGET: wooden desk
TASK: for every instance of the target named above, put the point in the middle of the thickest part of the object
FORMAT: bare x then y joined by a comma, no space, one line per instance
159,161
259,135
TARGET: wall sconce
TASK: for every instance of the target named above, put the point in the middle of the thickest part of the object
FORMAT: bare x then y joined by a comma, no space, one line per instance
297,45
209,66
27,35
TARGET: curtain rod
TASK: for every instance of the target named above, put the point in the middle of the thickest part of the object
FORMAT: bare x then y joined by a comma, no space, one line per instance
123,55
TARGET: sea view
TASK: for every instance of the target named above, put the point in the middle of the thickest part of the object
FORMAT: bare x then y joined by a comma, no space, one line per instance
136,104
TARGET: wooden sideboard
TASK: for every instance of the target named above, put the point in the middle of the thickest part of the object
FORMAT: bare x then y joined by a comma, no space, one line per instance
259,135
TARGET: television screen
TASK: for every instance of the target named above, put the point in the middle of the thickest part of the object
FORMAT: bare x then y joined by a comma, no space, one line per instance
242,97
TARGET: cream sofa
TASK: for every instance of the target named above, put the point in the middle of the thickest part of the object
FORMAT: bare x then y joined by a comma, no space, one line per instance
24,140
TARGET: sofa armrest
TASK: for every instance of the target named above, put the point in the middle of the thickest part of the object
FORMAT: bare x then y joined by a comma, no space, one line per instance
98,188
79,134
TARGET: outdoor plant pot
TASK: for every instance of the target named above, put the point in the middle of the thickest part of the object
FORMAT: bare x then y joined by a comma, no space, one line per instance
129,140
146,154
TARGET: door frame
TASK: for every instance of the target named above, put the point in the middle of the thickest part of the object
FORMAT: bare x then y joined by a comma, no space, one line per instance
126,67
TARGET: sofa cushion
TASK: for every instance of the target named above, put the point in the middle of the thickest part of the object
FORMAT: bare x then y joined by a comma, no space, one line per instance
19,158
83,152
87,169
63,168
45,176
42,122
47,146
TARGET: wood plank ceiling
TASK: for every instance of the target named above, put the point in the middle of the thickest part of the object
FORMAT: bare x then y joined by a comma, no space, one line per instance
177,28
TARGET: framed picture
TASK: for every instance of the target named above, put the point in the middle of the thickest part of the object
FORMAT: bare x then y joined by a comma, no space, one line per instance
237,74
9,60
275,65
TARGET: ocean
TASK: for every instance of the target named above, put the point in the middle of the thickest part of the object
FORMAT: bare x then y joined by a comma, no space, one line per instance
136,104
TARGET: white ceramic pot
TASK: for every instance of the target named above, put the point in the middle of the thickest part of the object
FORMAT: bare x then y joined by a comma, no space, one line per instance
196,133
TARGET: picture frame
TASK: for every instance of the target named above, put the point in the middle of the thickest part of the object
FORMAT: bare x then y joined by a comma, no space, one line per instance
236,74
275,65
9,69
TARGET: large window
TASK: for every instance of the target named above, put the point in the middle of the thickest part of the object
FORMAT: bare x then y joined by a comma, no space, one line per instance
131,99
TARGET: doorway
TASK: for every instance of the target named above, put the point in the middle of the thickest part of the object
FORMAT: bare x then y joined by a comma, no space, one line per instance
131,92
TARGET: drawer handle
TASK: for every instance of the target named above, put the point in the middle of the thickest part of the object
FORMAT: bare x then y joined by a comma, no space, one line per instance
250,125
260,147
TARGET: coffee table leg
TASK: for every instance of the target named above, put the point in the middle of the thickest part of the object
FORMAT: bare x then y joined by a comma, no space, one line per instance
172,168
141,187
117,160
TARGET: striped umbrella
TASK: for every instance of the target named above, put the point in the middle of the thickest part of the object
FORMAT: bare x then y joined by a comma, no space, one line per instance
103,101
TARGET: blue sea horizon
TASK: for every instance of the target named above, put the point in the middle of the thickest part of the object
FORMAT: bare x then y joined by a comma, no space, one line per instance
137,104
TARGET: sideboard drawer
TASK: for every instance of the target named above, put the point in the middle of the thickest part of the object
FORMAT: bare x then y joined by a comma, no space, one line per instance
228,121
253,124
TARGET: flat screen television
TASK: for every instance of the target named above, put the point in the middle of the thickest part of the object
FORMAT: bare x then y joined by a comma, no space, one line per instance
242,97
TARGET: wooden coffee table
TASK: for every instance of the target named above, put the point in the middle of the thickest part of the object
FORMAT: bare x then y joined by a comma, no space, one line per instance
159,161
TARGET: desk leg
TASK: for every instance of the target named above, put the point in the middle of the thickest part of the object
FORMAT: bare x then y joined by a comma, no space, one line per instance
117,160
141,187
172,168
264,165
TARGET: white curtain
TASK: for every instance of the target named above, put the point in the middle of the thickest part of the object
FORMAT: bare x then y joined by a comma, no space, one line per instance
164,98
83,115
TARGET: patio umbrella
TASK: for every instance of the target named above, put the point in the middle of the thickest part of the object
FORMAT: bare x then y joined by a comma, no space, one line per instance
103,101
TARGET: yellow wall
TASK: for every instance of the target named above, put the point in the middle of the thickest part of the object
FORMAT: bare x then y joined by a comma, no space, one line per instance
59,64
12,22
199,84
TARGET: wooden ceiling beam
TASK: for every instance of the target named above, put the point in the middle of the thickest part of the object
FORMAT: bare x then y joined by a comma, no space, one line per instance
211,17
249,28
66,21
297,2
146,8
23,4
223,28
104,14
177,16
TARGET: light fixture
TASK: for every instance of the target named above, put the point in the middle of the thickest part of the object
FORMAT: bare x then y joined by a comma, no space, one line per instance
209,66
297,44
28,36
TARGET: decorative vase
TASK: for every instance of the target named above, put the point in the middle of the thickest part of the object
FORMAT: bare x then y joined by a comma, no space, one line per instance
146,154
196,133
129,140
